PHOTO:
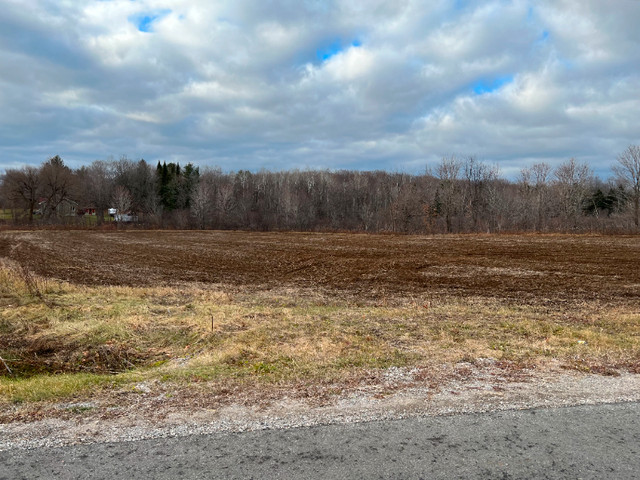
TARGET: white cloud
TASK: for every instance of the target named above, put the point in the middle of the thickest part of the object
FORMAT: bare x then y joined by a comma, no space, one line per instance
245,84
353,64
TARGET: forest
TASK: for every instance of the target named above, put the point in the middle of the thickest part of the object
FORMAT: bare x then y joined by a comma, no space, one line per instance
457,195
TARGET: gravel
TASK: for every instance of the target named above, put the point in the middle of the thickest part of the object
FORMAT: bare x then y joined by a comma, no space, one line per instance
473,388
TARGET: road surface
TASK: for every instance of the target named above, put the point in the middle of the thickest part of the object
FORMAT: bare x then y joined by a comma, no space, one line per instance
601,441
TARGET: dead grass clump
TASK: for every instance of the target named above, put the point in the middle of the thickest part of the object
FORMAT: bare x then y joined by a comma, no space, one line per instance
48,354
17,281
33,285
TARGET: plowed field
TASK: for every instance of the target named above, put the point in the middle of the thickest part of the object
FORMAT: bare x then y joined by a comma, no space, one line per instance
225,312
533,269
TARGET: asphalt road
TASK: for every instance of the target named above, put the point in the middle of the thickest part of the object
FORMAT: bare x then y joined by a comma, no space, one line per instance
575,442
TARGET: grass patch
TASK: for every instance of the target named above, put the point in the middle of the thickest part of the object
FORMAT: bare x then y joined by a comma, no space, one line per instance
47,387
76,339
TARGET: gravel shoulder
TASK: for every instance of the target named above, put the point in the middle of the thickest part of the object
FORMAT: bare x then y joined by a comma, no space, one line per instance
154,413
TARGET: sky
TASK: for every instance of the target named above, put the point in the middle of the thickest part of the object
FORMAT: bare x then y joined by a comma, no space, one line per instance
319,84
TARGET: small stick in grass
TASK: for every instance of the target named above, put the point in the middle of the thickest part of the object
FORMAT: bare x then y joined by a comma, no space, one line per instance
6,366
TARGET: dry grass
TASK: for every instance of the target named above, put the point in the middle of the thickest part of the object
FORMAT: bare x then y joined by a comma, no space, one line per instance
73,338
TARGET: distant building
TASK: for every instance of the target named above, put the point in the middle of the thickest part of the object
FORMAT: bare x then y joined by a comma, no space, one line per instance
65,208
87,211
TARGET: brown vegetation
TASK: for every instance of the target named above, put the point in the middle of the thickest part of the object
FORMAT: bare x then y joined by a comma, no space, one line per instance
459,195
303,309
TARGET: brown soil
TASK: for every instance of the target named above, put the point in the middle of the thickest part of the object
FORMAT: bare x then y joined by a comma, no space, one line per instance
559,273
527,268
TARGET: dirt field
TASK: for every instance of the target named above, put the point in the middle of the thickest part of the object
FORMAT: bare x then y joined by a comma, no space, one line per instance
531,269
310,308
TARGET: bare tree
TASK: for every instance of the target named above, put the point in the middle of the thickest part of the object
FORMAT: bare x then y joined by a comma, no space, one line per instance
572,180
100,177
122,200
57,184
535,184
463,194
225,204
541,172
23,187
202,201
478,178
140,179
448,172
628,172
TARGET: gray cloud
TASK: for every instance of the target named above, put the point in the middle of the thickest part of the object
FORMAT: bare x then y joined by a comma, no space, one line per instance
319,84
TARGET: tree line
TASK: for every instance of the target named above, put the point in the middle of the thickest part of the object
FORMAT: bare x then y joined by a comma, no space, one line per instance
458,194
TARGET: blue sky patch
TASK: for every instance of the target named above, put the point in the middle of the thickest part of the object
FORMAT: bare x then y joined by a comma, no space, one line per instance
334,49
488,86
330,51
144,22
460,4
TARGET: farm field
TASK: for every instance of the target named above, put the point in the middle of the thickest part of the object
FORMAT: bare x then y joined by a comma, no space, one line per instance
87,312
532,269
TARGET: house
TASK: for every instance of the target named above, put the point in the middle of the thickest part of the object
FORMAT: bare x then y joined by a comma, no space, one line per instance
87,211
65,208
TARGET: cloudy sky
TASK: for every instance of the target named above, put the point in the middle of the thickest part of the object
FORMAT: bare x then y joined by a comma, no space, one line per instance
337,84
